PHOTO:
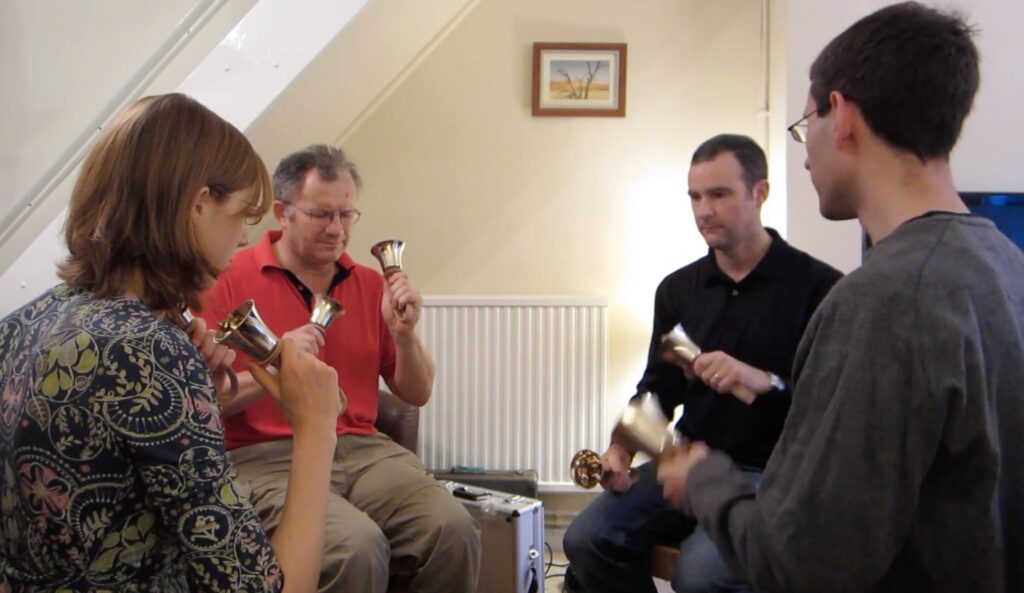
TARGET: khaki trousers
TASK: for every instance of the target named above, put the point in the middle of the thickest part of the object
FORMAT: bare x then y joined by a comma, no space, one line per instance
385,511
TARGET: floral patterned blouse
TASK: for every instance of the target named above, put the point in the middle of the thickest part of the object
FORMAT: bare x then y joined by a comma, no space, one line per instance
113,472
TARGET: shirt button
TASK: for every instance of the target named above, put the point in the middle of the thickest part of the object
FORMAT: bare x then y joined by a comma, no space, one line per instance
735,292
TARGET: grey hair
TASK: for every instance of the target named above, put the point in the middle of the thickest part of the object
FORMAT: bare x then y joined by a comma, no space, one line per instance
329,161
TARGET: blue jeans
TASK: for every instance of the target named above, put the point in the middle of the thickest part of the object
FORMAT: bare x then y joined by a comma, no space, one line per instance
609,542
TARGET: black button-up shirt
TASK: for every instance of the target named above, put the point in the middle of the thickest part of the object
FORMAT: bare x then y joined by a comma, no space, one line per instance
758,320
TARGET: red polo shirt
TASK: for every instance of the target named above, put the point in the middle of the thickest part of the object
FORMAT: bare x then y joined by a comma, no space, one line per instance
358,343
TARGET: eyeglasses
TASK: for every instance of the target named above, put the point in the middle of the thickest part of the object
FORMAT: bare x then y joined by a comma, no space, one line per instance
250,218
799,130
326,217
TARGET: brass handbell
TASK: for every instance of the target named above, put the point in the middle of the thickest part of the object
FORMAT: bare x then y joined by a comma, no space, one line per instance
245,331
325,309
682,350
643,427
389,254
680,345
585,469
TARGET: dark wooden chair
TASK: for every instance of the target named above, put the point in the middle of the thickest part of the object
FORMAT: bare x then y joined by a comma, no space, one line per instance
401,422
663,560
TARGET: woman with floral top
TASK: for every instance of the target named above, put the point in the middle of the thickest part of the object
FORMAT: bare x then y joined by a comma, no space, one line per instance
113,472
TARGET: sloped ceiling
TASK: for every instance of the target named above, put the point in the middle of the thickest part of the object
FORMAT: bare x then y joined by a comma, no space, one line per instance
62,63
355,73
367,58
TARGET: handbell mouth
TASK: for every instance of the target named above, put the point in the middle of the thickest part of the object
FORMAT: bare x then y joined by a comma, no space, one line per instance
680,343
244,330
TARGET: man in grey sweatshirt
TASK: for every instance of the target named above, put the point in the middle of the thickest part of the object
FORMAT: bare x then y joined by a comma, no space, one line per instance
901,464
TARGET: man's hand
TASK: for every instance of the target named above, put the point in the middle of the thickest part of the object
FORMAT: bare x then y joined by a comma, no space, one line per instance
307,338
674,470
219,357
724,373
306,390
400,295
615,474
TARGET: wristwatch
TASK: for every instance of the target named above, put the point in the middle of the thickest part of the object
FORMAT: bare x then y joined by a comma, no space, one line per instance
776,381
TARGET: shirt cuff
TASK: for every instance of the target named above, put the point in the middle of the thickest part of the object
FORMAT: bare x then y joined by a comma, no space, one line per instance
714,483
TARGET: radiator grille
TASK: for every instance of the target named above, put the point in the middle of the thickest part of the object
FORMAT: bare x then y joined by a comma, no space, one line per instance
520,382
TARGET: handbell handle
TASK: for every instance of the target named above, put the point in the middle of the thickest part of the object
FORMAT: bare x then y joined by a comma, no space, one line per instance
232,383
683,351
400,313
744,393
186,320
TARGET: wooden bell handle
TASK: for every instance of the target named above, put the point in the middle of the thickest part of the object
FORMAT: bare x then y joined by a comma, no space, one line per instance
744,393
232,382
400,311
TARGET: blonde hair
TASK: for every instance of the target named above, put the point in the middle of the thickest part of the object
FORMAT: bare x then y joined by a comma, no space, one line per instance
130,213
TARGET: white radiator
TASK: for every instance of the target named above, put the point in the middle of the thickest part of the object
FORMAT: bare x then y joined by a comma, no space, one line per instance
520,382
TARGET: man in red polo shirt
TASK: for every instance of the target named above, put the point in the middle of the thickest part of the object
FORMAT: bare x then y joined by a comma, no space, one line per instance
384,506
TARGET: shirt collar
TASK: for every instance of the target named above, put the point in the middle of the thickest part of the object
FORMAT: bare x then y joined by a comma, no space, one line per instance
773,265
265,256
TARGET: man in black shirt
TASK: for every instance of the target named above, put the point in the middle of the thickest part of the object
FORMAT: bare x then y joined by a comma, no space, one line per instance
746,304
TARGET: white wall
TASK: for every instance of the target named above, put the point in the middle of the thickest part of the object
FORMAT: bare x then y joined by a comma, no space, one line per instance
990,154
492,200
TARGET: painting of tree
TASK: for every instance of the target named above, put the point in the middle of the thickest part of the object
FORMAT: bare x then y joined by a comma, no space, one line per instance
587,79
578,79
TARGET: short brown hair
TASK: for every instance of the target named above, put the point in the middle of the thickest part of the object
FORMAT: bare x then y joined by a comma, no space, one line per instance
130,216
748,154
911,69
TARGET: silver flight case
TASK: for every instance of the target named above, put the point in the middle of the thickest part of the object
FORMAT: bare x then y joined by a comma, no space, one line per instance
511,537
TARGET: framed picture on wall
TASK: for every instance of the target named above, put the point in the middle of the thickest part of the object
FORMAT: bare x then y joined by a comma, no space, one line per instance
587,79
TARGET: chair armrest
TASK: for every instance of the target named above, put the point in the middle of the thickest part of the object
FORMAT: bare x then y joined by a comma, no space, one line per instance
398,420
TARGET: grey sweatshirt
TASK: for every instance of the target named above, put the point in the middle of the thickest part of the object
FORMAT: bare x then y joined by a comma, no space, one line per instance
901,464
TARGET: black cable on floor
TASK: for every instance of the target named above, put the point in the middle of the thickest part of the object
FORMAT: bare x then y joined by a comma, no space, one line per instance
551,561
